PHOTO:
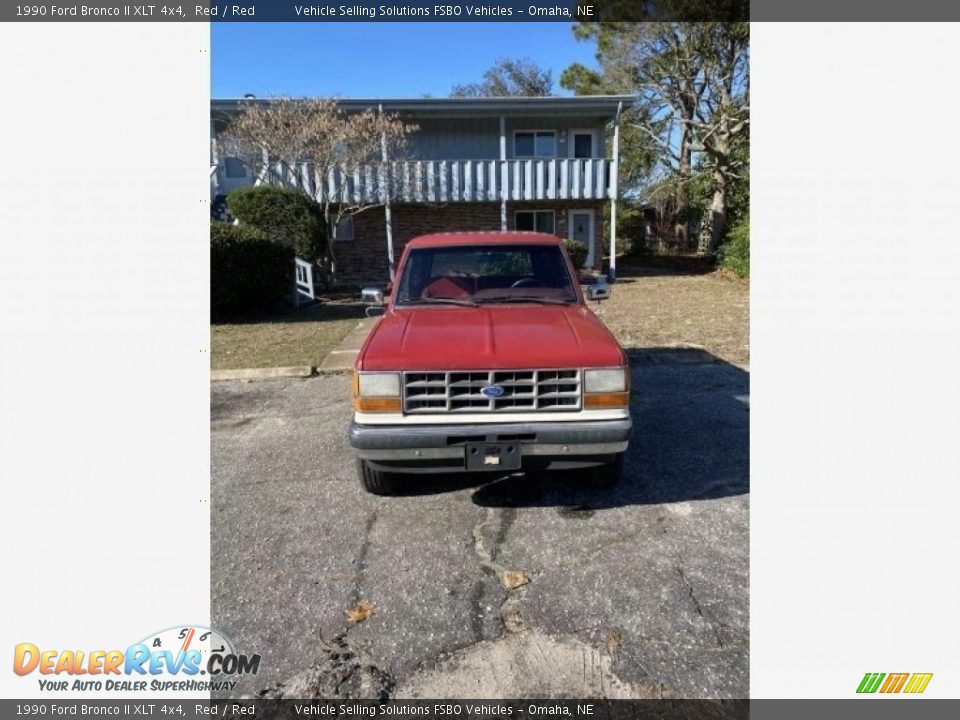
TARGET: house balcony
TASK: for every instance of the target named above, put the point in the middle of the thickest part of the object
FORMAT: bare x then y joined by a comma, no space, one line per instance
447,181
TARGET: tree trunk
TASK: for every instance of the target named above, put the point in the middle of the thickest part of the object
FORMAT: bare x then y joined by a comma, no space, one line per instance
715,218
330,259
681,198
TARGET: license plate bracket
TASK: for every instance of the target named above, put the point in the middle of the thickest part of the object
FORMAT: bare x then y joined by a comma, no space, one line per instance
492,456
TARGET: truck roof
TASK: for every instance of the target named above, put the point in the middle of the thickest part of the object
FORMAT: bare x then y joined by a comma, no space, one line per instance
483,238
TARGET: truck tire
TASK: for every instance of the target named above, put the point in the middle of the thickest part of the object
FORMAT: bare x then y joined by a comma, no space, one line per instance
607,476
375,481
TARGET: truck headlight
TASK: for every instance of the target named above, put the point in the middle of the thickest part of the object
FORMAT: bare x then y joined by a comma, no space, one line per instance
606,388
376,392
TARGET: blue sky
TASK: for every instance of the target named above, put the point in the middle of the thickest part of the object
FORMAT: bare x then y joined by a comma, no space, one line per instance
373,59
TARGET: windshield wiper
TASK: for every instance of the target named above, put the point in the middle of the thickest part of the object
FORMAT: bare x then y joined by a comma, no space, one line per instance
527,298
440,301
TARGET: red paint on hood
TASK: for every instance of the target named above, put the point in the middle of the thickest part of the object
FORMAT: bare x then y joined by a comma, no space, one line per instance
489,337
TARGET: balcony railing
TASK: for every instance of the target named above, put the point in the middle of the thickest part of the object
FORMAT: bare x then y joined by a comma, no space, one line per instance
427,181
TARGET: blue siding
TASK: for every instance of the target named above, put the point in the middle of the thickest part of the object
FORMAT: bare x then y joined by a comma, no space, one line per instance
479,138
456,139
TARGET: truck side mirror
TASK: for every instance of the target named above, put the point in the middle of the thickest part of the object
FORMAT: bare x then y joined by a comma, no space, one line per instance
372,297
599,290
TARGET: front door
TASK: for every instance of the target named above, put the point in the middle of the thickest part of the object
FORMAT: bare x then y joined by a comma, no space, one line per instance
581,228
581,144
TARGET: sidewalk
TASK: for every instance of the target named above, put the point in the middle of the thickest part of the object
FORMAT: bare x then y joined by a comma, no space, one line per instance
340,360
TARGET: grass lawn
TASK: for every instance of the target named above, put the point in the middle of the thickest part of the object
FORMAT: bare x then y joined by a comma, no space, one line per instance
654,307
298,338
651,307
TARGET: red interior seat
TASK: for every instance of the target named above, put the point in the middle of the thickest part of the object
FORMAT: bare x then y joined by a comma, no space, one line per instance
447,287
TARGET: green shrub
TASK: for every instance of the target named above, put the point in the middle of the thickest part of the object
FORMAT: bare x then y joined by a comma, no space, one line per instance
735,253
577,251
631,229
249,273
284,215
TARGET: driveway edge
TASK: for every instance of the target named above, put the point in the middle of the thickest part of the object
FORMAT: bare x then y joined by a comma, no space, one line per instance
269,373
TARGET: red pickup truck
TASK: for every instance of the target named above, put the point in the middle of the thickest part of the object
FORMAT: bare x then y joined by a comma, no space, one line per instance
487,358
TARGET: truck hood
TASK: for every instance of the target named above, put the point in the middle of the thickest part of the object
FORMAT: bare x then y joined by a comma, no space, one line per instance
489,337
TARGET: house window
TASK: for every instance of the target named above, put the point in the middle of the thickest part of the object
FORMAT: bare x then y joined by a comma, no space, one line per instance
343,230
535,143
535,220
233,167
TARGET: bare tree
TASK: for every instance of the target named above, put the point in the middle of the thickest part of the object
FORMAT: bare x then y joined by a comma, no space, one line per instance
658,63
722,118
314,146
509,77
691,81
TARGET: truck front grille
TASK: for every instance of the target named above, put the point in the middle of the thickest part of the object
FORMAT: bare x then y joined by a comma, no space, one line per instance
523,391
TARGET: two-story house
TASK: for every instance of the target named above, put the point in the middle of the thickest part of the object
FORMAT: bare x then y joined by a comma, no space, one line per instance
526,163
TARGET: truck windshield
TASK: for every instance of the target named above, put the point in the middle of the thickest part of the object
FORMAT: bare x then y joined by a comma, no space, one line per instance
486,274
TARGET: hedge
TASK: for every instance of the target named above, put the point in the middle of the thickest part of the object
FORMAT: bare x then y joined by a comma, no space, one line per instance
577,251
735,253
284,215
249,273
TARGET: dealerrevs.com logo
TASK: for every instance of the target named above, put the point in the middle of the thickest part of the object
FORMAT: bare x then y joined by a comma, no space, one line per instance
892,683
189,658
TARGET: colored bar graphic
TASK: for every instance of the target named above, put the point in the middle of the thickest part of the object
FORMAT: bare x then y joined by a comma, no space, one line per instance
870,682
918,682
903,679
895,682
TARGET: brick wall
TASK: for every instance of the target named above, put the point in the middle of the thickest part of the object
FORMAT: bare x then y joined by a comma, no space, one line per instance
363,260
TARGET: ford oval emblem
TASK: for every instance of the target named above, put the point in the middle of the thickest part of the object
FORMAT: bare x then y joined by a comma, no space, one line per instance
492,391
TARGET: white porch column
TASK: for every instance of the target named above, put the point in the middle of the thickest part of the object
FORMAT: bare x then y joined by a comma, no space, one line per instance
386,199
214,157
614,185
503,174
214,163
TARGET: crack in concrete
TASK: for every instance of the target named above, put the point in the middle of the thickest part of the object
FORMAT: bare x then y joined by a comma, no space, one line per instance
486,554
510,612
699,608
342,671
361,561
476,611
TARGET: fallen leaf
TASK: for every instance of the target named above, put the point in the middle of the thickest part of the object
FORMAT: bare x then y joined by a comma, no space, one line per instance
511,579
614,641
361,612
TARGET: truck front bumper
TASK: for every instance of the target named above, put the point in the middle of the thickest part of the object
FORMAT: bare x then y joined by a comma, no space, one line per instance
441,448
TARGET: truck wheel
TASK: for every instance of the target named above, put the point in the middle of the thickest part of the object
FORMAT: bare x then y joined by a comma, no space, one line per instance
375,481
607,476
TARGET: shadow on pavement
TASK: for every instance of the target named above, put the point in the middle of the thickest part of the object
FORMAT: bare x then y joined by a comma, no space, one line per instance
690,442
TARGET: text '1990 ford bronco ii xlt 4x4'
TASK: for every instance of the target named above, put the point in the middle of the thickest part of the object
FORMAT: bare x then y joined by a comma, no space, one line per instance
487,358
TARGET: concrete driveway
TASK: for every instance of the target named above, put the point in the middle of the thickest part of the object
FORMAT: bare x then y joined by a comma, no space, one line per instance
637,592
